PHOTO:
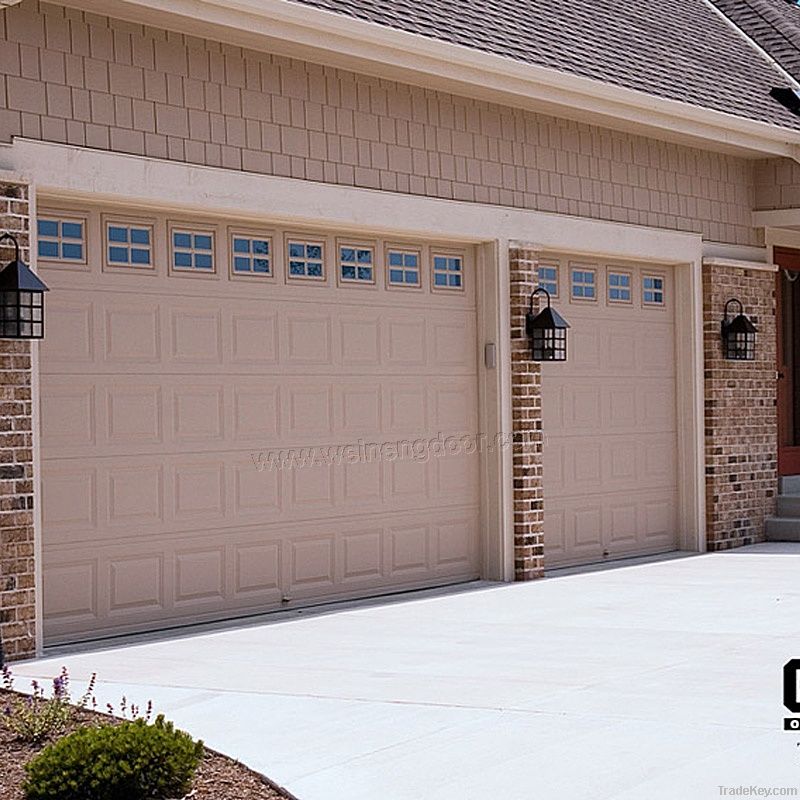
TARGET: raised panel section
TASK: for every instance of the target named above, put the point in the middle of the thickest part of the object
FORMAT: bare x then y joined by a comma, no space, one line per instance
68,413
257,568
199,490
135,494
199,575
70,590
136,583
133,335
198,413
134,414
255,339
196,336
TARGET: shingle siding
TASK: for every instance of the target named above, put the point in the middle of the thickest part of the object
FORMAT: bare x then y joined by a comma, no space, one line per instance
87,80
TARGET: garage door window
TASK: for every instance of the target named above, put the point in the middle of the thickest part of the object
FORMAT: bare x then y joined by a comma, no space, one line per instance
356,264
547,278
404,267
653,290
306,260
128,245
192,250
584,284
251,255
448,271
619,287
61,239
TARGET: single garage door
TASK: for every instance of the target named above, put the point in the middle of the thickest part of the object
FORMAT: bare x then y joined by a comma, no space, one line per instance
609,414
238,418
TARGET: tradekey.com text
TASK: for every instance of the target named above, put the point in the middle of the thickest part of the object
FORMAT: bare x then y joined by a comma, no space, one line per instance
419,450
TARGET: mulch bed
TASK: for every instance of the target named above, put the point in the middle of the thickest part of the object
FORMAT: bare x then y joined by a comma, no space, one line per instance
218,777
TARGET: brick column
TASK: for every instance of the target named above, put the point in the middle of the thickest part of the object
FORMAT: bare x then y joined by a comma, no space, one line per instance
741,423
17,582
527,422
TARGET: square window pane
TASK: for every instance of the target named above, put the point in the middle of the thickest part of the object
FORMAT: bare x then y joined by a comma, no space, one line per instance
412,277
47,227
202,242
315,269
72,251
589,291
395,259
140,255
297,268
181,239
260,247
48,249
241,245
314,251
410,260
118,255
182,259
72,230
624,280
117,234
455,264
348,254
349,273
241,264
455,280
140,235
364,256
365,273
203,261
440,263
296,250
396,275
260,265
440,279
613,280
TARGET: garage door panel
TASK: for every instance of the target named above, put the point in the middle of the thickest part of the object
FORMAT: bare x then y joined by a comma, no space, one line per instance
136,582
68,413
610,421
70,340
71,497
164,398
131,332
254,338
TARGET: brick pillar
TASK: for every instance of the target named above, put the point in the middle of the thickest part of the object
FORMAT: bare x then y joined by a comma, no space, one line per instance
17,582
527,422
741,423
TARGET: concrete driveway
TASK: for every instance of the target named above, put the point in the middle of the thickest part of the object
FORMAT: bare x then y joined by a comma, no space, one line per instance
653,681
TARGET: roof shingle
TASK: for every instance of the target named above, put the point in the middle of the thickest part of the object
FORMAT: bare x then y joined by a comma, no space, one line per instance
677,49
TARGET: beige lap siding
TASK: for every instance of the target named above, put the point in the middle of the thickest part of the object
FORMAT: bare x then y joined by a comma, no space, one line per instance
777,184
88,80
17,599
740,410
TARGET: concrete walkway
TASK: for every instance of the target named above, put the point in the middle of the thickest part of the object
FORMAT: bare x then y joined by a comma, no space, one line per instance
650,682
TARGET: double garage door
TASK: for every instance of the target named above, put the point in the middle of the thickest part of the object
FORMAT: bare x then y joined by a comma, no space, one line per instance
239,418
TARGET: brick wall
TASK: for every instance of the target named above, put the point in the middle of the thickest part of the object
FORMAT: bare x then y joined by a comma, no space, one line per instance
740,411
83,79
17,588
527,424
777,183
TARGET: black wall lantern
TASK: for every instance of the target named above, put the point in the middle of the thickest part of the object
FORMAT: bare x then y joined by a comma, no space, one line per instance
738,334
547,331
21,299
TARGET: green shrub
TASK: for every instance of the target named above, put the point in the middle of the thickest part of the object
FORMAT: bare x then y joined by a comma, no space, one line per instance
129,761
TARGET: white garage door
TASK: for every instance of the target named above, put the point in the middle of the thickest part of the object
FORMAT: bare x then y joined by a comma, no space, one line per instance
238,418
609,414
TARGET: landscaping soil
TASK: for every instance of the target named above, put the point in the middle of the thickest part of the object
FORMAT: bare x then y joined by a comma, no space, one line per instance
218,777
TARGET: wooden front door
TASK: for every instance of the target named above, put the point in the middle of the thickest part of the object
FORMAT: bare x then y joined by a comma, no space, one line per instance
788,328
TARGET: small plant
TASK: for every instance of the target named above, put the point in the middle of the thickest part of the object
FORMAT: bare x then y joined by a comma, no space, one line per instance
36,716
130,761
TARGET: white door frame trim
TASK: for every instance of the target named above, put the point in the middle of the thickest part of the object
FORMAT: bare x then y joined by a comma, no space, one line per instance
63,172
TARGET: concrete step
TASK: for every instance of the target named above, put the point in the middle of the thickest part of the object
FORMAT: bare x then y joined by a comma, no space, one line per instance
788,505
789,484
783,529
